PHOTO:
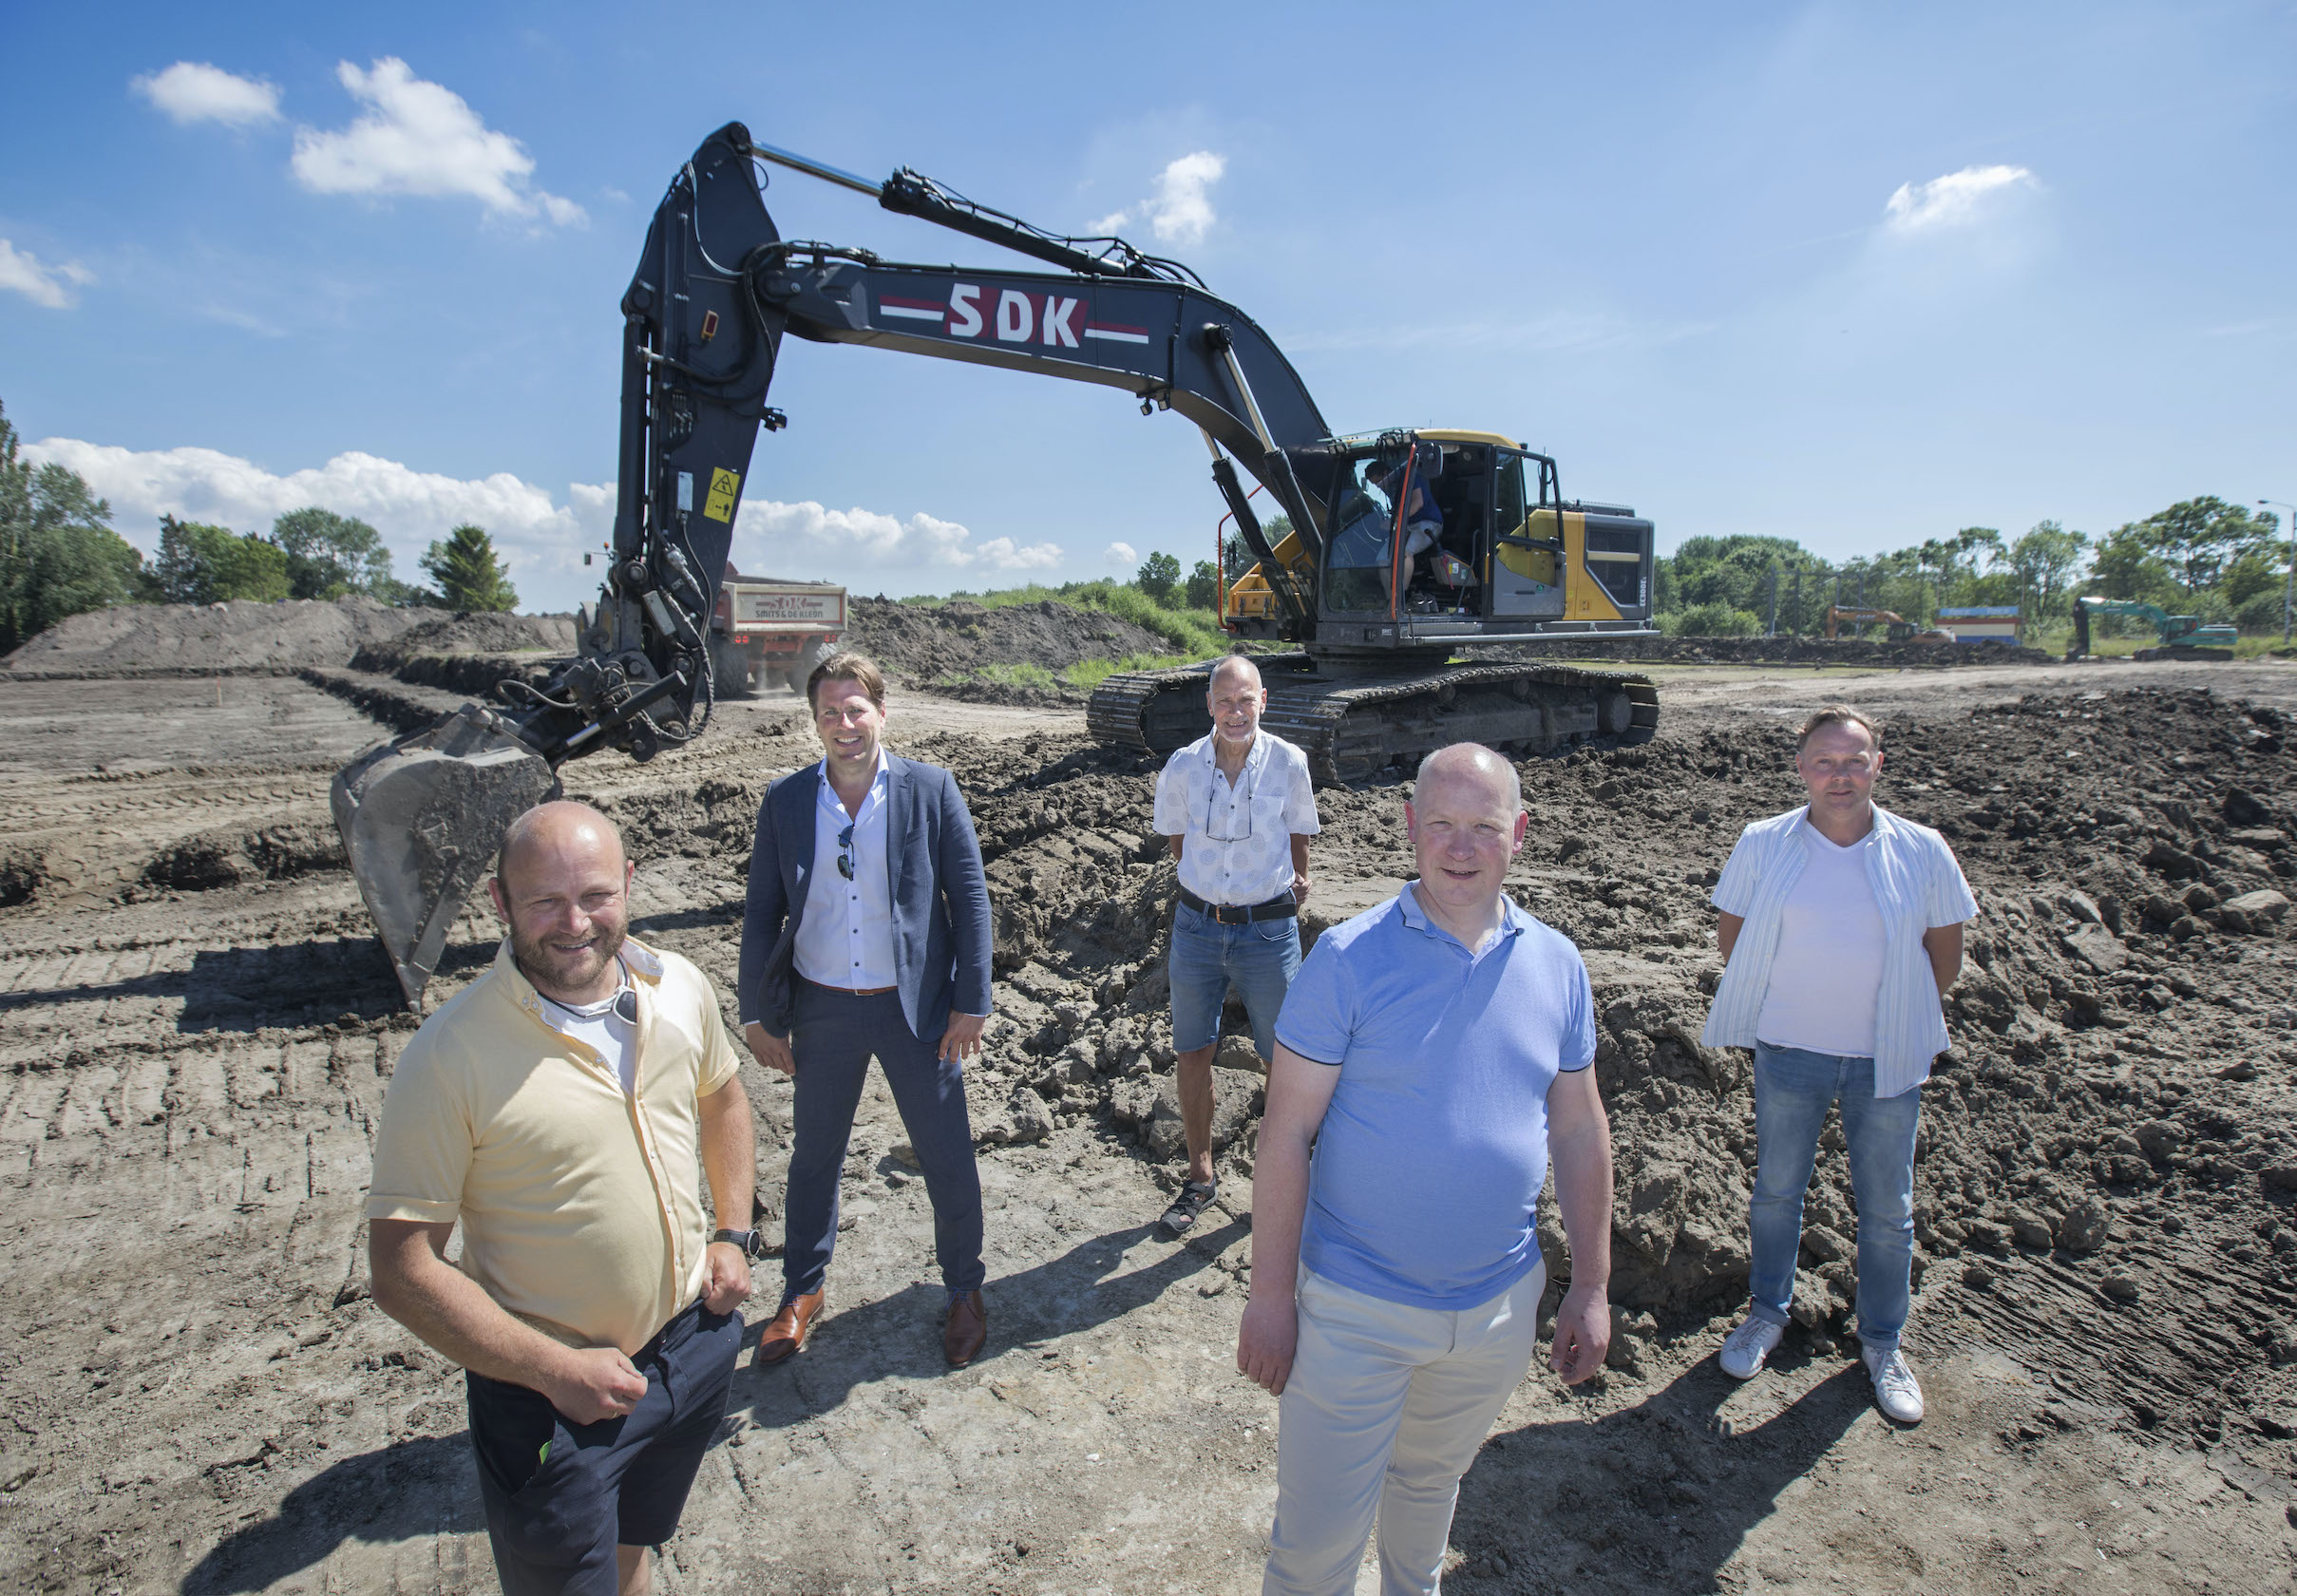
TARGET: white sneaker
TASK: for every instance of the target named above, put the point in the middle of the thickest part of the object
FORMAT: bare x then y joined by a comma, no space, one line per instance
1897,1392
1745,1348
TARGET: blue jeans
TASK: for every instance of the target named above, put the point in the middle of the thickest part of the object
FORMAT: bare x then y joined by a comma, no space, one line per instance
832,1035
1792,1092
1259,956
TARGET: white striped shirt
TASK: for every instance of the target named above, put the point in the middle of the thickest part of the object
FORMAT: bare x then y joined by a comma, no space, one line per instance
1917,886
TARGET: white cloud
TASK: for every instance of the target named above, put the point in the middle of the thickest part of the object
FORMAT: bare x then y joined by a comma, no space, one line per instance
542,539
854,539
1120,554
1956,199
536,536
42,284
1180,212
423,138
195,91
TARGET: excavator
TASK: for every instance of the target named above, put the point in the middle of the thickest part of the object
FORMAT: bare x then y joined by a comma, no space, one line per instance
1396,547
1901,629
2183,636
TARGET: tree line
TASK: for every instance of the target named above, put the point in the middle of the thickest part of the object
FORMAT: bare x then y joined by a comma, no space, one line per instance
60,556
2200,557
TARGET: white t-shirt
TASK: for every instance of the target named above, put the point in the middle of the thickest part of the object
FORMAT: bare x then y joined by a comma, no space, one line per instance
1827,975
601,1026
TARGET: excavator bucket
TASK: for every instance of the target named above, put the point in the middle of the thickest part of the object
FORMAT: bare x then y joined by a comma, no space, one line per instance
421,818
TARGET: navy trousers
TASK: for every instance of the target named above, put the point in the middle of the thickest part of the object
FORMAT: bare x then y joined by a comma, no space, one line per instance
560,1496
832,1035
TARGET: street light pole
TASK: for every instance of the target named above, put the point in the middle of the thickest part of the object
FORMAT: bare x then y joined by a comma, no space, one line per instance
2288,588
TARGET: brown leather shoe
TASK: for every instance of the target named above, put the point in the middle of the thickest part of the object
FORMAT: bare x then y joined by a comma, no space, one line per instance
785,1333
965,1329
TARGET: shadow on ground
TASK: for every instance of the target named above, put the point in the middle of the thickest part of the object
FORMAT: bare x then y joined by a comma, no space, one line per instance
245,989
400,1492
1659,1496
901,1334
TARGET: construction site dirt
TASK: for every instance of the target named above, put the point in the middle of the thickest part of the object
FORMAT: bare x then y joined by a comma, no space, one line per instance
198,1027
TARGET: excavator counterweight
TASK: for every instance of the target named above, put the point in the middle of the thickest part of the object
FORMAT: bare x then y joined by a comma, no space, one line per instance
1401,549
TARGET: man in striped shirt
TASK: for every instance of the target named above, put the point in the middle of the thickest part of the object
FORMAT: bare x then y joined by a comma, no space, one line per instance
1841,929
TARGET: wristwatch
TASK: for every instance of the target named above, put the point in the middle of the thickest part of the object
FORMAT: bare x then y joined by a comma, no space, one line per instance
751,1242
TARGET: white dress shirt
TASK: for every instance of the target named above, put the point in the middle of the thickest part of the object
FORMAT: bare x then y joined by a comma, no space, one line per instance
1239,835
846,938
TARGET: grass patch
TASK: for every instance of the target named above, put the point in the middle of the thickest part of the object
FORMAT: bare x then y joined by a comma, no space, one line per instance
1090,673
1015,675
1193,633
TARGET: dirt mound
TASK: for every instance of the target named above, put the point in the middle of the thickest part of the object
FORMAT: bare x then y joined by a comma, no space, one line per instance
239,635
955,638
1779,651
475,632
2084,1138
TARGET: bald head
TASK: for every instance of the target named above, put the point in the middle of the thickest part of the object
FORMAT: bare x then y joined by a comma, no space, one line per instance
557,829
1235,697
563,886
1235,669
1476,766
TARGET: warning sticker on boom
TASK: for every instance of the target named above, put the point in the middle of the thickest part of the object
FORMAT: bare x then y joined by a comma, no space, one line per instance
724,485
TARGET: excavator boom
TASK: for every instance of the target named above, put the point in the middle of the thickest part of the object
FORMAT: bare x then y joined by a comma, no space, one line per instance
716,291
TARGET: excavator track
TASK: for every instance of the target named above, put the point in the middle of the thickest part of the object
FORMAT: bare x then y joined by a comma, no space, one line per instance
1354,722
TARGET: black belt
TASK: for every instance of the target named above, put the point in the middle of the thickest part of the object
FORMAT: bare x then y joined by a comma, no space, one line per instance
1236,914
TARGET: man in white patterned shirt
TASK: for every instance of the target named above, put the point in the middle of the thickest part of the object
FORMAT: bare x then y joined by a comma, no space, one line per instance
1238,809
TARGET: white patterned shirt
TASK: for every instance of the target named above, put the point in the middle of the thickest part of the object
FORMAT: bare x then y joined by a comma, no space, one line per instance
1239,837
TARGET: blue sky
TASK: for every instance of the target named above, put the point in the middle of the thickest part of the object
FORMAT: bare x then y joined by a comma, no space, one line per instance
1853,275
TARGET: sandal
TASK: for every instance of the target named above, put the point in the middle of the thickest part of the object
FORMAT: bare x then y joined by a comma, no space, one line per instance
1194,1197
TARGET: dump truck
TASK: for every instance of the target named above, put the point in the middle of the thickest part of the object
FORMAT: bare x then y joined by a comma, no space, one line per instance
765,632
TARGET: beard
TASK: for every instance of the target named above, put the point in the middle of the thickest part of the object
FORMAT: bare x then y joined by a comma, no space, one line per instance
555,971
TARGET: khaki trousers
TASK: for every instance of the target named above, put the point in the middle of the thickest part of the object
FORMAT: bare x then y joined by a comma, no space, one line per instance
1385,1408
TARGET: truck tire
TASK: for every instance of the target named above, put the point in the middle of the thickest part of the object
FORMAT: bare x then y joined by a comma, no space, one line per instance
728,668
815,651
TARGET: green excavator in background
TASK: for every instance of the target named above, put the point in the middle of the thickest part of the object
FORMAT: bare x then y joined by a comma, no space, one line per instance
2182,637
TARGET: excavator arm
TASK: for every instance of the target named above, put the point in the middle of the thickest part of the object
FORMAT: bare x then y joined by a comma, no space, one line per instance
716,291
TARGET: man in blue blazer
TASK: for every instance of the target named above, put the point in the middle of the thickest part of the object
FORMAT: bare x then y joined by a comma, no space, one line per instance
867,933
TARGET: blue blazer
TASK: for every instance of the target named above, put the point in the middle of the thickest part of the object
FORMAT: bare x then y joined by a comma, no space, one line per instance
940,897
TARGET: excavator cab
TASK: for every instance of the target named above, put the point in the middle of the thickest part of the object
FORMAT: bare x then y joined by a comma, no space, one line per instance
1453,535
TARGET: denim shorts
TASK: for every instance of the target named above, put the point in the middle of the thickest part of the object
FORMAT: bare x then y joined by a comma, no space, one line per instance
560,1496
1259,957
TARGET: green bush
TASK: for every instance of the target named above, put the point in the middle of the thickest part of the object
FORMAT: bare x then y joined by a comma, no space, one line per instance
2260,612
1711,620
199,564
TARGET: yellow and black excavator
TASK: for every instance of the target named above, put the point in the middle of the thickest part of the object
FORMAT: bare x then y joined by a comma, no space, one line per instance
1403,545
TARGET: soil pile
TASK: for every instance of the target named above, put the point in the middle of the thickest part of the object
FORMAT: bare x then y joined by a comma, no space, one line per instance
2095,1163
239,635
471,632
1779,651
956,638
